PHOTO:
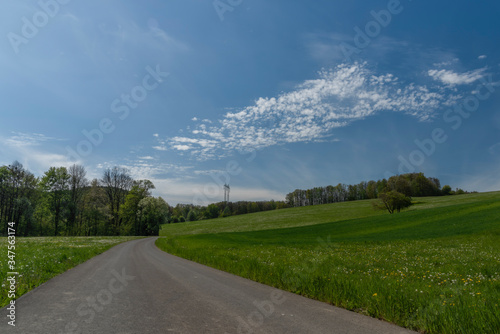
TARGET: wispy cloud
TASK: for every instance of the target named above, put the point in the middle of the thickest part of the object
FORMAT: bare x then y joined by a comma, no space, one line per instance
19,139
148,168
451,78
310,112
33,151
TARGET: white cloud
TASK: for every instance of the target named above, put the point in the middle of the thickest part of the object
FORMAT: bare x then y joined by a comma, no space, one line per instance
482,57
310,112
182,147
446,63
448,77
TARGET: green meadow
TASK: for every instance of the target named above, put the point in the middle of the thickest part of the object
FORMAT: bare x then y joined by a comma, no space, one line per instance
434,268
39,259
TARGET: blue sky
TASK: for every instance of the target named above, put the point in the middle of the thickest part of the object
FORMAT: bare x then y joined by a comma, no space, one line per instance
268,96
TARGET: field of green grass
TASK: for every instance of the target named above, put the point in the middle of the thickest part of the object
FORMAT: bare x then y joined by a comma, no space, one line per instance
42,258
434,268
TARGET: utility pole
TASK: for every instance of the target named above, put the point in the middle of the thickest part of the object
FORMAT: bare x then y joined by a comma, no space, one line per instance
226,192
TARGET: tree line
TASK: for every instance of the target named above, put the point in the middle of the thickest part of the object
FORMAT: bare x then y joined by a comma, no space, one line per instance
64,202
410,185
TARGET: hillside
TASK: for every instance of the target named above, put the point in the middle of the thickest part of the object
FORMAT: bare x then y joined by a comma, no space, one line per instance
433,268
311,215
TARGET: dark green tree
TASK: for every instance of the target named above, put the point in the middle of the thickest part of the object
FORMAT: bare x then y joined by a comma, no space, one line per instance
212,211
394,201
191,217
446,190
152,213
55,184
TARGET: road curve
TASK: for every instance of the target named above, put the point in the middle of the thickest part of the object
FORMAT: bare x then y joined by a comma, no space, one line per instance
136,288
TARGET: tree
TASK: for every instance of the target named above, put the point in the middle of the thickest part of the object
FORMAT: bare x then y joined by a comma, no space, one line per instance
401,184
226,212
152,212
371,189
191,217
212,211
394,201
446,190
77,185
18,197
116,182
95,211
128,211
25,220
55,183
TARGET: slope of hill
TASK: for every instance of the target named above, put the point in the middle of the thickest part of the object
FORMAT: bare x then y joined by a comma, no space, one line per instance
434,268
309,215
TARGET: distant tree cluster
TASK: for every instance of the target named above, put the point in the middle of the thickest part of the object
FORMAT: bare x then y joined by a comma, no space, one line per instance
64,202
188,212
410,185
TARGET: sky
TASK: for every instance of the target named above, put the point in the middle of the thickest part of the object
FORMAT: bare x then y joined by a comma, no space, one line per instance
267,96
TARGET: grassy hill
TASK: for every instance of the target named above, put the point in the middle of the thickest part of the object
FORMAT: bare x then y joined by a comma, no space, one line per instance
433,268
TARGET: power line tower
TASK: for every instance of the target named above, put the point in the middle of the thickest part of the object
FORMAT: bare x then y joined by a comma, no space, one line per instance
227,189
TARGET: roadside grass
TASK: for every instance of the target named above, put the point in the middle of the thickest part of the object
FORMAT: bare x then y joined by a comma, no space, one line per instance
39,259
434,268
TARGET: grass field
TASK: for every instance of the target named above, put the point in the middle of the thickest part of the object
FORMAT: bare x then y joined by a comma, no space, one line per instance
40,259
434,268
